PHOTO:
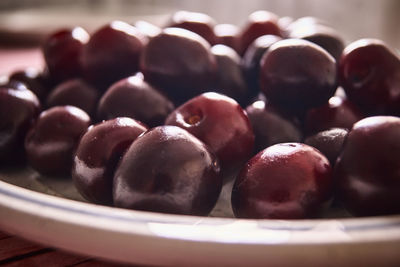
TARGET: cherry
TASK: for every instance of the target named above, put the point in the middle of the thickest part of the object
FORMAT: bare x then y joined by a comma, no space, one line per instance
180,63
252,58
337,113
62,51
147,29
368,169
168,170
265,189
112,53
297,75
221,123
133,97
199,23
270,127
227,34
98,153
258,23
18,111
51,142
322,35
75,92
230,80
284,24
370,74
329,142
33,79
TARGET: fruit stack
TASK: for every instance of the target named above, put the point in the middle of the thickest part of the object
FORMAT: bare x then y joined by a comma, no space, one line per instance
157,119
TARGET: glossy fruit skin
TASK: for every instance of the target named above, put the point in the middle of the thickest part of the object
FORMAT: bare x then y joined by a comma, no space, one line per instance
367,171
112,53
297,75
33,79
270,127
62,51
98,153
180,75
147,29
259,23
265,190
18,111
135,98
227,34
51,142
370,74
219,122
199,23
329,142
168,170
75,92
320,34
337,113
252,58
230,80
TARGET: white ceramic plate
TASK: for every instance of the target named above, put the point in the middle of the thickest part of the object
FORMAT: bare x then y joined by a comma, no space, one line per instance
53,219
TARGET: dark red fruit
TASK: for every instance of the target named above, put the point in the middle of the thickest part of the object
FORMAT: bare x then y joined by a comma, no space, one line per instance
219,122
329,142
284,181
133,97
367,171
297,75
62,51
270,127
168,170
33,79
147,29
180,63
75,92
18,111
227,34
98,153
230,80
322,35
252,58
51,142
337,113
370,74
112,53
258,23
199,23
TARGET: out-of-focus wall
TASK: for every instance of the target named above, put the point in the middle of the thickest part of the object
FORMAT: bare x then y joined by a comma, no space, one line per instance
353,18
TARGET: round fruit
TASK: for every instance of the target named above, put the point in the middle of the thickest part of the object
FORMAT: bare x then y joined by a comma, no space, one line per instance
370,74
98,153
51,142
284,181
18,111
297,75
168,170
329,142
112,53
180,63
221,123
133,97
270,127
62,53
367,171
75,92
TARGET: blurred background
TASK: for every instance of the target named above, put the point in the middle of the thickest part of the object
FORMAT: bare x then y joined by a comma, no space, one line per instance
31,19
24,23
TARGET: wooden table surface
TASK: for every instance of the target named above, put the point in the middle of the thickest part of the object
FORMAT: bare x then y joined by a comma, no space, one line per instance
16,251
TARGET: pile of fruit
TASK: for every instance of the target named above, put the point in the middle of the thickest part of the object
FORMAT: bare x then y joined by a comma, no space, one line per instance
157,119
